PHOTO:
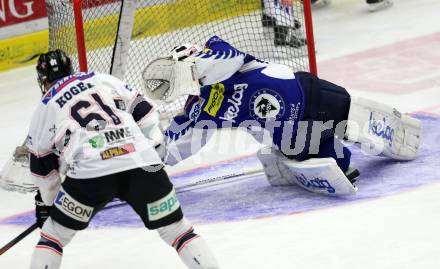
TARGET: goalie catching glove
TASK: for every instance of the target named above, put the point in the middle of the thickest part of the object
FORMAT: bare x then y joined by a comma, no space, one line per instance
167,78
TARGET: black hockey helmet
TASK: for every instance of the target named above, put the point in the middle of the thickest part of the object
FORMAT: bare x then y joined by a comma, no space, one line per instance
53,66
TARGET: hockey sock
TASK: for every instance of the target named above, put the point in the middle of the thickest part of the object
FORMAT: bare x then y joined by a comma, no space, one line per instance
47,253
192,249
49,249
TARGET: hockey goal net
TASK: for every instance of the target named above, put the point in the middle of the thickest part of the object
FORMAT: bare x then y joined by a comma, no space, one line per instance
120,37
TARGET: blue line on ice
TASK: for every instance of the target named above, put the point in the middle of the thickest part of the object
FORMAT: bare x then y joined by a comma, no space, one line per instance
254,197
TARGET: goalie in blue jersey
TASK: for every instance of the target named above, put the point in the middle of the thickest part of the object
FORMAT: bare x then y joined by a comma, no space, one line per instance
304,118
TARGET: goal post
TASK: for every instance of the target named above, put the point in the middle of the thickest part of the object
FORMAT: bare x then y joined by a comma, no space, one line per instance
121,37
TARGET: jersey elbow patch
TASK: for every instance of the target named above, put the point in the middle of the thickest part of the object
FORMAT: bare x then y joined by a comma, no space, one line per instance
43,166
141,110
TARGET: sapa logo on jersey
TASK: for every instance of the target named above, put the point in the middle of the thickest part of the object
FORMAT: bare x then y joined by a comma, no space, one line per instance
232,111
381,128
114,136
315,183
72,208
117,151
163,207
215,99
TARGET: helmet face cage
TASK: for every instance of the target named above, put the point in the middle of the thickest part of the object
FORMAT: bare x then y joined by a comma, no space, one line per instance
51,67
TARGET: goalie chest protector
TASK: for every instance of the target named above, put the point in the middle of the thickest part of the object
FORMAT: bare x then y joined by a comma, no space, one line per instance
260,95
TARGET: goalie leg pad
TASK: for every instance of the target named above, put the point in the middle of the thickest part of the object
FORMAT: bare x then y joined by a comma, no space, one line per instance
385,127
318,175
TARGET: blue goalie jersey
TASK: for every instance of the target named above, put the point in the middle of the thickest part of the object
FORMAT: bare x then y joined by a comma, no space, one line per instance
239,90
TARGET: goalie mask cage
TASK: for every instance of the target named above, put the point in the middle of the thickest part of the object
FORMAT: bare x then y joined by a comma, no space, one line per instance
121,37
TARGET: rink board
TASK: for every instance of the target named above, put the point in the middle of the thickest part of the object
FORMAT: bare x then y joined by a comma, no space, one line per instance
253,197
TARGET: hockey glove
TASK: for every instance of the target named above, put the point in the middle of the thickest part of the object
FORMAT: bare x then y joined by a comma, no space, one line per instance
42,211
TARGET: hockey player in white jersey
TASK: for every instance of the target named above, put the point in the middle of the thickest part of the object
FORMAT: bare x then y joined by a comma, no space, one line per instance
302,117
100,133
279,23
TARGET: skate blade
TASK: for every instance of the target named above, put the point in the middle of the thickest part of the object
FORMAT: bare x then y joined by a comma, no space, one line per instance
380,6
321,4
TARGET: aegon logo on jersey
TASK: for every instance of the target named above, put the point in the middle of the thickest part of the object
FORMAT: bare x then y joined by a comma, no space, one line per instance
163,207
196,109
215,99
265,104
117,151
72,208
232,111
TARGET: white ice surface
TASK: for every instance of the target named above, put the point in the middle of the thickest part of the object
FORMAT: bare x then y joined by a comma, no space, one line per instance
400,231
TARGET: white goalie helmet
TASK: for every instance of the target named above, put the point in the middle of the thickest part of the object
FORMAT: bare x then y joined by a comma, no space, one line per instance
165,79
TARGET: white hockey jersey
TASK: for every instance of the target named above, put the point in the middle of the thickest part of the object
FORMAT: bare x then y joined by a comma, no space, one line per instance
90,125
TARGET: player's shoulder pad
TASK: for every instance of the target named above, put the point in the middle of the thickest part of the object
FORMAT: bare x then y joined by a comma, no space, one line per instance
279,71
217,48
114,81
62,83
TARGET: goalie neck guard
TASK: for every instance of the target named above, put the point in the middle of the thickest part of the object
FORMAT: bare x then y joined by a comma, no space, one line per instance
166,79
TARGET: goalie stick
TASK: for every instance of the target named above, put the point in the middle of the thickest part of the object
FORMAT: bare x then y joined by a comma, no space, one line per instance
234,177
208,182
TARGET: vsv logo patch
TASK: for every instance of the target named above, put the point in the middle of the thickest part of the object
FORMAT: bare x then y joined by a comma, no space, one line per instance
381,128
315,183
265,104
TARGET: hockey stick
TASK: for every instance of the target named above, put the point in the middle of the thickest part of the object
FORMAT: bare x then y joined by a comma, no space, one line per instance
234,177
218,180
18,238
208,182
